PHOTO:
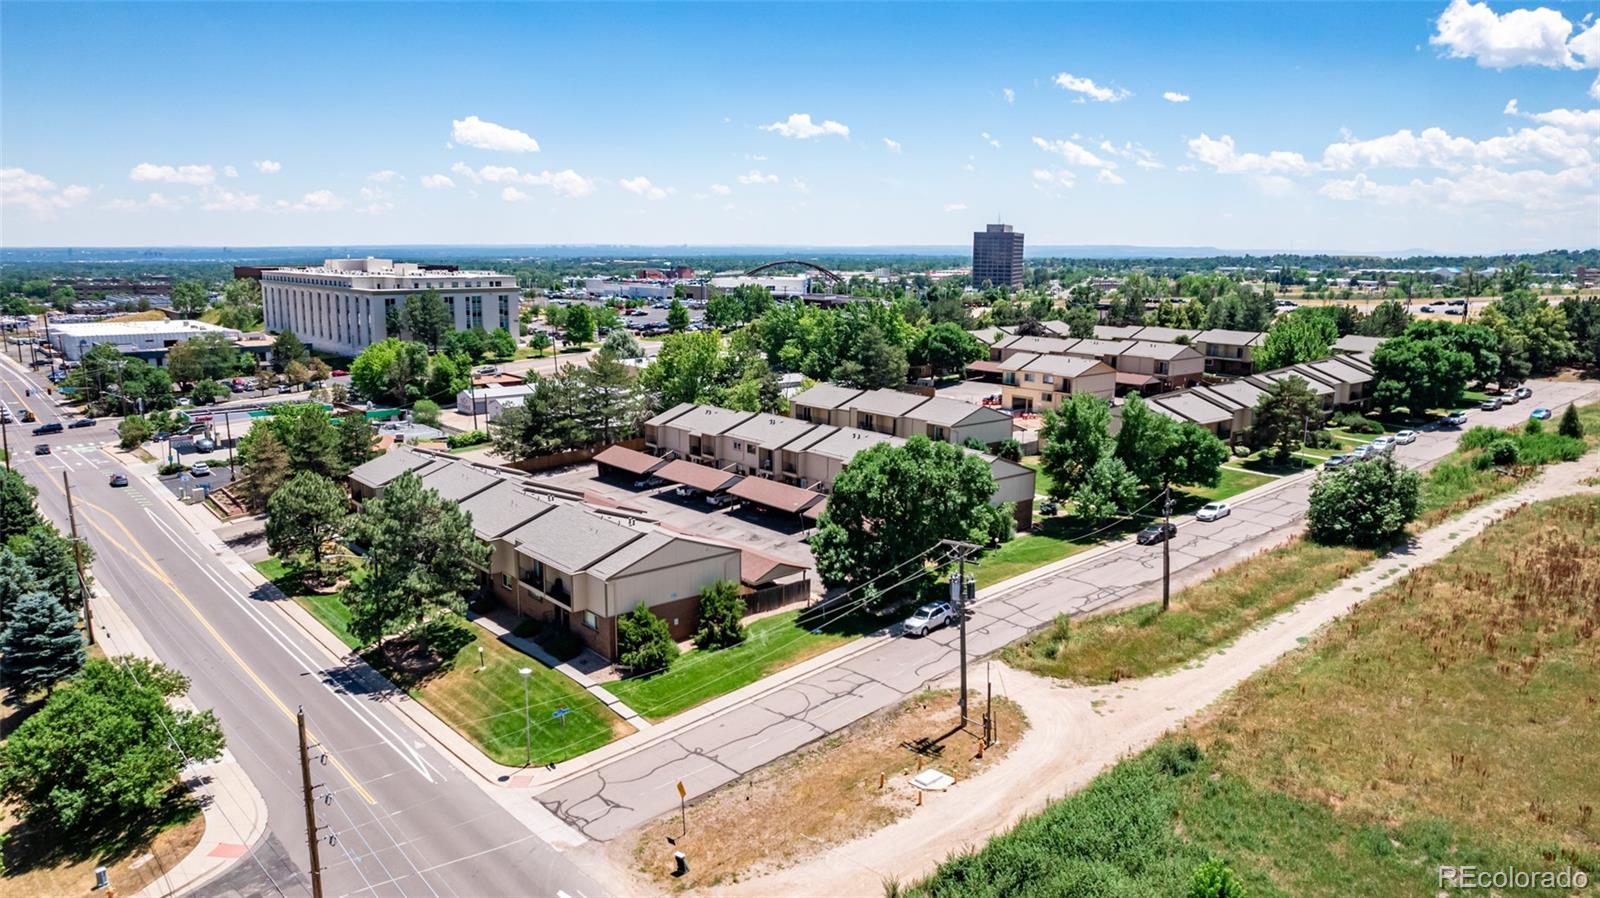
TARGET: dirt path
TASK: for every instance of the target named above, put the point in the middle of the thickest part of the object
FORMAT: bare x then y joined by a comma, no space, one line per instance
1079,731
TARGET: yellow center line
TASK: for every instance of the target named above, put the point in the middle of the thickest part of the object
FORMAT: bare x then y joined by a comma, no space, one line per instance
20,401
154,571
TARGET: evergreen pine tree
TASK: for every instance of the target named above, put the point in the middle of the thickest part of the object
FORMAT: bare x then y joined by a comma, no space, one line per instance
41,646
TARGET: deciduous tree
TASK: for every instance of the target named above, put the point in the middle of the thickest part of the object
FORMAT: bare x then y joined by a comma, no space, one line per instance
721,616
1283,414
19,509
304,515
644,642
1367,504
426,318
1075,436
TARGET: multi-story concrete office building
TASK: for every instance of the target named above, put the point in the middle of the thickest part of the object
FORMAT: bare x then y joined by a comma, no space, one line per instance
997,257
342,305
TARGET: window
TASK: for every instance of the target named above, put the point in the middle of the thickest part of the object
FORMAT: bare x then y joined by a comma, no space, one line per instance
590,621
1028,378
505,580
1049,378
1047,397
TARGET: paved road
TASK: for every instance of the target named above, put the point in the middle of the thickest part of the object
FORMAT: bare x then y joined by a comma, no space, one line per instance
635,788
407,822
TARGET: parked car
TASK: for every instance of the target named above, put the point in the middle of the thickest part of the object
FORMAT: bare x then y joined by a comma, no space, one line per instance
1522,393
1456,418
1156,533
1335,461
52,427
1510,398
81,423
687,492
1540,414
1405,437
205,444
648,483
1382,444
42,449
1489,405
928,618
338,372
119,480
1213,511
720,499
200,469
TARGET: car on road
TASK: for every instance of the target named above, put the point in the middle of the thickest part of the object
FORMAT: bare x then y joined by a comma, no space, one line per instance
1489,405
1522,393
1405,437
5,415
1335,461
81,423
1426,310
1213,511
28,417
119,480
1510,398
200,469
720,499
42,449
928,618
1540,414
1456,418
52,427
1156,533
338,372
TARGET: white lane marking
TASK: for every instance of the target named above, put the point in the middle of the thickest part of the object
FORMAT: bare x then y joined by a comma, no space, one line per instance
302,658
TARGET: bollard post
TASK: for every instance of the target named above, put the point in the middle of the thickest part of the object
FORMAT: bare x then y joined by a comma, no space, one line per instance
680,864
880,781
919,798
101,879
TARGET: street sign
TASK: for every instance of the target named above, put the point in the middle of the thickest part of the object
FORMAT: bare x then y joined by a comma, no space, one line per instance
560,712
682,792
184,478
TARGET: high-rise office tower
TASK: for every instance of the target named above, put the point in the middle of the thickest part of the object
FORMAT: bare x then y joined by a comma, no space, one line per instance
997,257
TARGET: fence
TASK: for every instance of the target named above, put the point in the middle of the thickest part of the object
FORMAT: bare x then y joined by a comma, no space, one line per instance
778,595
570,457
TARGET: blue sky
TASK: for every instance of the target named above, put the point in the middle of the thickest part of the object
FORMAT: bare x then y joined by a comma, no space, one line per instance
1346,126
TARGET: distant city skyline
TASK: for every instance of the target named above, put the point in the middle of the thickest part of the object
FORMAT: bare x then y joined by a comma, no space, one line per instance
1459,127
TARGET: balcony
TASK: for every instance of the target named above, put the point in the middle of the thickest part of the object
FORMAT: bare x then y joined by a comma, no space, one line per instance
557,592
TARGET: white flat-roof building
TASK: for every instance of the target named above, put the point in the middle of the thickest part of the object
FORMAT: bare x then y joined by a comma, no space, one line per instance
72,340
342,305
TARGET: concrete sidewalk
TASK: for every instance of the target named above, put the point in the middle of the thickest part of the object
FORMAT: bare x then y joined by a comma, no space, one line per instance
235,813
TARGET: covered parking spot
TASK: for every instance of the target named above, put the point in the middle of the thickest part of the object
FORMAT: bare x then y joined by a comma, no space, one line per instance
700,477
775,496
620,461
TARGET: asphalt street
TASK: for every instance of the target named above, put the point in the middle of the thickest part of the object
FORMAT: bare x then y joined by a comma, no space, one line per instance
399,818
632,789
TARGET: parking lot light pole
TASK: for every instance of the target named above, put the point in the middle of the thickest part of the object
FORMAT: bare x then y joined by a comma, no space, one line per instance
527,731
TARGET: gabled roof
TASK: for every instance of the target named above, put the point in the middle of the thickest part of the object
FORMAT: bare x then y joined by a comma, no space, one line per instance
1225,337
844,443
1097,348
503,508
456,481
885,402
1067,365
386,467
571,538
947,412
631,460
1357,343
1193,408
990,335
1115,332
1058,328
1165,334
1240,391
1144,349
709,419
1038,344
770,431
670,414
701,477
630,554
1018,361
1337,368
829,396
1315,384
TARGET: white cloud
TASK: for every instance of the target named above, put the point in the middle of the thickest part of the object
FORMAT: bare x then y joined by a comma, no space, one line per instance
1274,185
1585,120
892,146
955,207
375,200
721,189
565,182
799,185
756,177
990,140
1221,155
384,177
1011,95
152,201
1061,177
268,167
230,172
800,127
1073,153
437,182
173,174
1173,96
1107,176
315,201
513,195
1548,193
475,132
642,186
1437,148
1091,90
161,201
466,171
29,190
1473,31
217,199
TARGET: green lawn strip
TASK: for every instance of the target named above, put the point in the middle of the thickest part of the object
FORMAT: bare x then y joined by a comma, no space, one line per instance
329,609
1042,480
771,644
1057,538
1143,641
487,706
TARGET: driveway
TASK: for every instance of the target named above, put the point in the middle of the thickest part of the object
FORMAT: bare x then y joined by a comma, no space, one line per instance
628,790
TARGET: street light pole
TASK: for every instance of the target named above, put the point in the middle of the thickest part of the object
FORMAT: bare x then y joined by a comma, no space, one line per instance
527,731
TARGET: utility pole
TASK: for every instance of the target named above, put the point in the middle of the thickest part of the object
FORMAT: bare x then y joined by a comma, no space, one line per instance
1166,545
227,421
5,438
311,807
959,589
77,558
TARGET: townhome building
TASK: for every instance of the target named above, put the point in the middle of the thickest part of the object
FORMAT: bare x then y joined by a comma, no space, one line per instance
902,414
1032,383
1228,352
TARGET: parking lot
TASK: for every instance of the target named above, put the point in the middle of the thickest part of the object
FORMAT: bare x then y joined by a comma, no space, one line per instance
781,536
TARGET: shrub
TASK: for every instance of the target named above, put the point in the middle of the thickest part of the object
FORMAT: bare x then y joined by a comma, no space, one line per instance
171,467
1533,425
1321,439
1357,423
721,616
1548,448
1479,437
1571,424
1010,450
644,644
1366,505
463,440
1214,879
1502,451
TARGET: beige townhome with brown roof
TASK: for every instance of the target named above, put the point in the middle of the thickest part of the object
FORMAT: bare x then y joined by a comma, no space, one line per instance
1034,383
902,414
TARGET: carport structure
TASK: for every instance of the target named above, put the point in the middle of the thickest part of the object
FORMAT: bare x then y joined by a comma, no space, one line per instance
622,460
775,496
701,477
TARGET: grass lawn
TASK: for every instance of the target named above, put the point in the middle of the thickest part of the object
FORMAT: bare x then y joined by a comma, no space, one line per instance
487,706
771,644
1143,641
1042,480
1430,726
1058,538
329,609
1232,482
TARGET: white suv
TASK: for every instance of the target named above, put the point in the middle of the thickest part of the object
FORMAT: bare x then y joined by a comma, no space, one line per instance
929,618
